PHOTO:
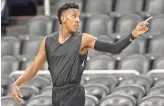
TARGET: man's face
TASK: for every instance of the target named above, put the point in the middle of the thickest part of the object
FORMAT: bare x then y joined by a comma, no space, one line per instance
71,19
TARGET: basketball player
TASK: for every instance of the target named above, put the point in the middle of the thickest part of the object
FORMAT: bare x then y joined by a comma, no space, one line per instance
66,51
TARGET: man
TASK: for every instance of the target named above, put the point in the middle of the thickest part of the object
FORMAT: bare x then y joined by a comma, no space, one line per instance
65,52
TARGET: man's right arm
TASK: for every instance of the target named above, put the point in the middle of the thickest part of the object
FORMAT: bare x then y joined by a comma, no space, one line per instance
32,70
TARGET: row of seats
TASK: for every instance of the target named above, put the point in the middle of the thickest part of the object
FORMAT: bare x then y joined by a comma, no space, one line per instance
138,62
24,44
108,90
119,6
93,24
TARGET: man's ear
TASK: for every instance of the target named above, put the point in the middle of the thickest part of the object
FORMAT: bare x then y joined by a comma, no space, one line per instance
63,19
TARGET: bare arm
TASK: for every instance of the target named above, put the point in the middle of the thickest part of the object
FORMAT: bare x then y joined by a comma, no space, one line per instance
31,71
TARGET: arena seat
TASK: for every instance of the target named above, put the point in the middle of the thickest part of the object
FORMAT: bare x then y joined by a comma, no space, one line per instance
128,6
9,64
154,7
47,91
156,91
41,25
156,46
28,45
110,82
152,101
91,100
156,74
40,100
159,63
118,100
105,6
99,25
136,91
137,62
10,45
8,101
101,62
141,80
159,82
156,26
127,23
98,90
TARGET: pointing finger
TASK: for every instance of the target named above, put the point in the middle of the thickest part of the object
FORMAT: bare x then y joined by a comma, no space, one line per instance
148,19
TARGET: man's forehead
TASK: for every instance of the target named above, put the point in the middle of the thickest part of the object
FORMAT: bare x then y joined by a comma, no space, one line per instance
73,11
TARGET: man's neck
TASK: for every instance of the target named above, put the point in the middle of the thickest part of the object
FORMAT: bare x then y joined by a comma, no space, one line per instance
64,33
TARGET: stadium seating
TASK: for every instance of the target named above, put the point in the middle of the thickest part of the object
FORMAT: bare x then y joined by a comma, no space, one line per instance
135,77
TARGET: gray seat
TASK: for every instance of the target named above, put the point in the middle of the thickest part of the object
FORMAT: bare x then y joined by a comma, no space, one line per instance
47,91
157,25
104,6
156,91
133,90
127,23
129,6
91,100
9,64
6,83
118,100
101,62
154,7
10,46
40,100
98,90
137,62
152,101
110,82
28,45
159,63
99,25
156,74
156,45
8,101
159,82
41,25
143,81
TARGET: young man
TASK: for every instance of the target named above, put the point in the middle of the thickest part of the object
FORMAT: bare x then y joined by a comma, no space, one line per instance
65,52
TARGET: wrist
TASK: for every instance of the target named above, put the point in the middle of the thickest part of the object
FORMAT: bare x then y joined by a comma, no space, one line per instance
134,33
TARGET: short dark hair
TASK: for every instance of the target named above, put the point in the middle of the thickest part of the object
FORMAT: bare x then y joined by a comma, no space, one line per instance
64,7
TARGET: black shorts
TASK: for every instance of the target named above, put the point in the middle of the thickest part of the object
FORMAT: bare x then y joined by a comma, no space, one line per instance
68,95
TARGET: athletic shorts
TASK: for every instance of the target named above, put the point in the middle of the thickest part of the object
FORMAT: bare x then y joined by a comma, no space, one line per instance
68,95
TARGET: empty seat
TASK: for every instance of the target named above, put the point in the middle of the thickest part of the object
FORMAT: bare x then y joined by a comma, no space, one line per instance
129,6
98,90
152,101
41,25
118,100
133,90
40,100
156,91
101,62
156,45
10,46
137,62
91,100
28,46
99,25
6,83
127,23
154,7
9,64
156,74
159,82
157,25
98,7
143,81
110,82
9,101
138,46
47,91
2,92
159,63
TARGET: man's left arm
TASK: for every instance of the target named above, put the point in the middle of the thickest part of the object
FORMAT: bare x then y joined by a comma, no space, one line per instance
93,43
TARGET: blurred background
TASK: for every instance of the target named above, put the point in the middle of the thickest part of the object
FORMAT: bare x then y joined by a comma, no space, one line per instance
134,77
